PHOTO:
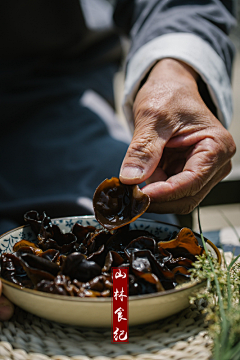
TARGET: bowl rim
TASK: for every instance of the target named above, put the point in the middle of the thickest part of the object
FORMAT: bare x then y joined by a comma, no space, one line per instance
108,299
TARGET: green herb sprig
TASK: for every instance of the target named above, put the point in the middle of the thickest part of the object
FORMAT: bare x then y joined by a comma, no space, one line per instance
223,298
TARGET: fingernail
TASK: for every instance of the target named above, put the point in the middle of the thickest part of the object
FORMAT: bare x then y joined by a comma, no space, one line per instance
131,172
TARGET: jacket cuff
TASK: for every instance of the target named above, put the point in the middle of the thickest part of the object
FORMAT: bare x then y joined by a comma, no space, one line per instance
195,52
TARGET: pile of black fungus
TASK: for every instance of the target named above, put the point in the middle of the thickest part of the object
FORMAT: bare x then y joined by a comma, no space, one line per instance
79,263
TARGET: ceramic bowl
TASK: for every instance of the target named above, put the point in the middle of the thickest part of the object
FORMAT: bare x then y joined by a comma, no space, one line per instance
96,312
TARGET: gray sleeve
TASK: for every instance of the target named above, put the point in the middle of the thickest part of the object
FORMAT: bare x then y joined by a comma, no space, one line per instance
195,32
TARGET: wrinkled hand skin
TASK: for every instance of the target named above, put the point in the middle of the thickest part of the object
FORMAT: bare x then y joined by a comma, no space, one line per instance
179,147
6,307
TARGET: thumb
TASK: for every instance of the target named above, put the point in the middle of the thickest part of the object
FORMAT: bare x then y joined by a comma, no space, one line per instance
142,157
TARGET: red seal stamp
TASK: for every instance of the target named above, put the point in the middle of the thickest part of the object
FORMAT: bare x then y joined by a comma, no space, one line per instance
120,326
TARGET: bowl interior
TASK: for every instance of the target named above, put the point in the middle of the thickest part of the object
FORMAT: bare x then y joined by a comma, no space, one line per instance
157,305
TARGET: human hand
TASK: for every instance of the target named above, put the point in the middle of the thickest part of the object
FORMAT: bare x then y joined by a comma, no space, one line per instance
179,147
6,307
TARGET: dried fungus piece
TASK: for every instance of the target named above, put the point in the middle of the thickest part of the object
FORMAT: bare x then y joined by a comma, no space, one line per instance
36,221
99,283
119,240
38,268
48,234
96,240
181,261
76,266
22,245
98,256
141,243
12,270
60,285
140,258
54,238
116,204
113,259
185,245
82,232
139,286
52,255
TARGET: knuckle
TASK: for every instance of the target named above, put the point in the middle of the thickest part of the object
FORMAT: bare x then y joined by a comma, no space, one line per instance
230,143
227,149
231,147
227,169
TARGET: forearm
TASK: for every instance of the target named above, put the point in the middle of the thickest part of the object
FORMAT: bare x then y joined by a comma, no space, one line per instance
193,33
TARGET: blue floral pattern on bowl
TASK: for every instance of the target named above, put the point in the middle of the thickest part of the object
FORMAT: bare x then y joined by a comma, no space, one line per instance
8,239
